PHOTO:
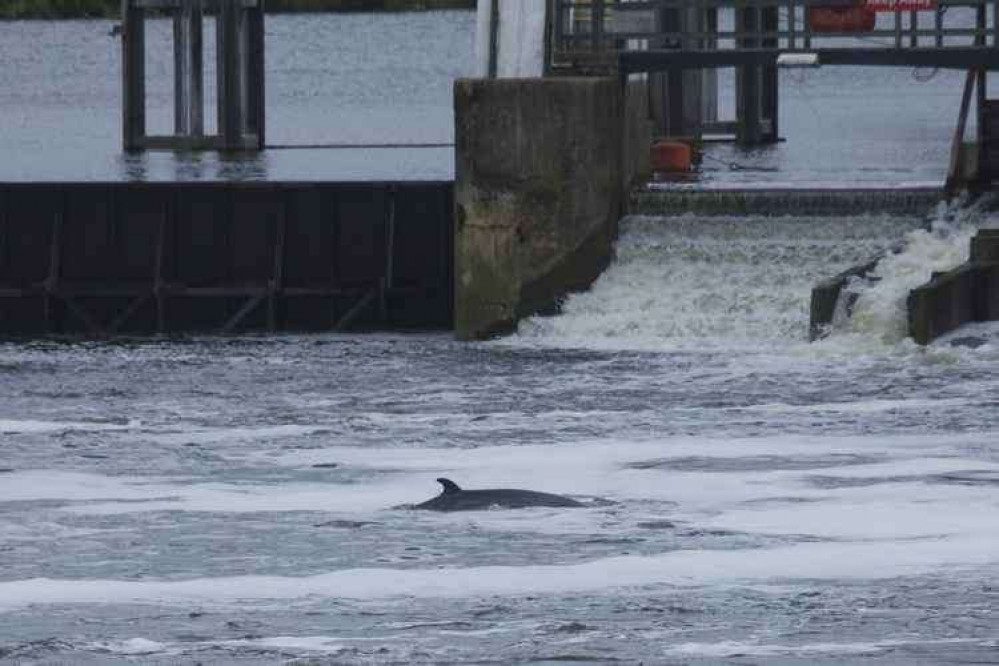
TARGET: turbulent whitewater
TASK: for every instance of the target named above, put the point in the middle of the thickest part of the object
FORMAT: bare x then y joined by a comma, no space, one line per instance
770,501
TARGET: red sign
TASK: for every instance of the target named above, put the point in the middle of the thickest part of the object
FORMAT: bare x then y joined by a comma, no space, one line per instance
900,5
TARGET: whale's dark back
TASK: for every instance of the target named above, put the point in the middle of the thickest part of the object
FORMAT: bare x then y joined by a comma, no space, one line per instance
508,498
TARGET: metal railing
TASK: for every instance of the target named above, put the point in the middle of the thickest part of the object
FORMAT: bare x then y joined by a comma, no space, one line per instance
710,25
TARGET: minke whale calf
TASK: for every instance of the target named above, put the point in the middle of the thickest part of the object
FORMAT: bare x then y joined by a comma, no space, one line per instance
453,498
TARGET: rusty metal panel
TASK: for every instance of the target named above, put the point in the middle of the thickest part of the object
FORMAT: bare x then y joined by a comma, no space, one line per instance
30,220
256,213
85,258
310,236
362,216
87,236
200,245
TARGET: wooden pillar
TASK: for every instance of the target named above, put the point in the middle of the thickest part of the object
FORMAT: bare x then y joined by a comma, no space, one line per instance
709,77
188,69
981,104
984,125
133,70
749,84
770,78
256,112
494,21
667,89
230,73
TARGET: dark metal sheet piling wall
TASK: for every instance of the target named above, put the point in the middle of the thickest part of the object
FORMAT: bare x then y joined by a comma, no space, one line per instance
103,259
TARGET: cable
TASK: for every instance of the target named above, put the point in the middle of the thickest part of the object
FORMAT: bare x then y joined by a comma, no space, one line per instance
350,146
736,166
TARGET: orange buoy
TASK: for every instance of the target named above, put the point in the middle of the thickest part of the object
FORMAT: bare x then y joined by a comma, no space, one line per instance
850,18
671,156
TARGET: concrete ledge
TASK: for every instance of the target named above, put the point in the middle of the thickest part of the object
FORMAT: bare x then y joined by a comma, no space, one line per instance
911,201
943,304
969,293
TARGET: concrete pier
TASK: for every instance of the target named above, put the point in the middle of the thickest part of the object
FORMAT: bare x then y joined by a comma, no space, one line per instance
542,167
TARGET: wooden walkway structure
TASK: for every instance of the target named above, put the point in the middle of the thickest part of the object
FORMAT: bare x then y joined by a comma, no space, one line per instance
239,40
756,36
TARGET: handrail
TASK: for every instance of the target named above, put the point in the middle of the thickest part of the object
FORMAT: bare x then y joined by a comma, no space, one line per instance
615,25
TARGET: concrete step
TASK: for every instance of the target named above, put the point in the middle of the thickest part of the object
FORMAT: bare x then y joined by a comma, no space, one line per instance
654,200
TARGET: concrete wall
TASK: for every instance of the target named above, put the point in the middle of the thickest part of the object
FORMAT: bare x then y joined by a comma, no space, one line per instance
966,294
540,182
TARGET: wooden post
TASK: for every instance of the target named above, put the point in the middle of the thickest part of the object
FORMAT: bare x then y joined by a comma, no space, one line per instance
494,21
938,39
770,78
188,69
133,72
258,99
230,72
982,119
748,80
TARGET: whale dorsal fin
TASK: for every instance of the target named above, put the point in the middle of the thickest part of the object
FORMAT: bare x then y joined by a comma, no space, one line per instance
449,485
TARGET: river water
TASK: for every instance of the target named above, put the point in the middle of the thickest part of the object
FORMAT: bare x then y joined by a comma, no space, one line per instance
749,497
386,79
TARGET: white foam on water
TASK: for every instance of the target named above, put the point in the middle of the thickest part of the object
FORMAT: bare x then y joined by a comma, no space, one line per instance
731,649
29,485
133,647
880,311
16,427
231,435
302,644
617,575
695,283
869,406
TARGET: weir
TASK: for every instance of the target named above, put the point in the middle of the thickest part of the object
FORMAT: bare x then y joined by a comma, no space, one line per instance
104,259
651,47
